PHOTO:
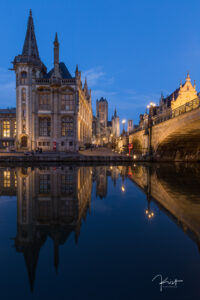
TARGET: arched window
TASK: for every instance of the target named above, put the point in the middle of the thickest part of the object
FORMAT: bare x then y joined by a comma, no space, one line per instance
23,77
67,126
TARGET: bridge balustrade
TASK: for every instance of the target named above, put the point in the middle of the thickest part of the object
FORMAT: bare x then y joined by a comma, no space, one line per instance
170,114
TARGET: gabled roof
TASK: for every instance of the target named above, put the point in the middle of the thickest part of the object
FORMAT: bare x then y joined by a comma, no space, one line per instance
64,72
169,98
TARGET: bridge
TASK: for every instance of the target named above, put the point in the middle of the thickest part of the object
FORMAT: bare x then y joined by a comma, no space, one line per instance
172,188
173,134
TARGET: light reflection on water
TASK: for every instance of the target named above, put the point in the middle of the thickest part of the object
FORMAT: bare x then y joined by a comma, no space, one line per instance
99,232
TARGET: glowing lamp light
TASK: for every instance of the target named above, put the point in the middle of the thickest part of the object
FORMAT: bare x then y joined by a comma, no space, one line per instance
134,156
123,188
123,121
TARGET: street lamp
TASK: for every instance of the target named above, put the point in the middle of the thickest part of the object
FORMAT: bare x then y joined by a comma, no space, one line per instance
151,104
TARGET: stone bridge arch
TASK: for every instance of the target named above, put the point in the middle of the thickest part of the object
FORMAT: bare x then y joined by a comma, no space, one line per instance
178,136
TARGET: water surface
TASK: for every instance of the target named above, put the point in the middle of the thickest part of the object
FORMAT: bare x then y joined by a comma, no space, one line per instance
99,232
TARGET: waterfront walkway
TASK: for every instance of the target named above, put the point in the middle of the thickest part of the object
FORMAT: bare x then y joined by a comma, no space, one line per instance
96,155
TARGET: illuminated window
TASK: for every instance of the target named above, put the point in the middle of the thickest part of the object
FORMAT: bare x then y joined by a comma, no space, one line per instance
44,126
6,179
67,102
15,177
15,128
5,144
67,126
44,102
6,128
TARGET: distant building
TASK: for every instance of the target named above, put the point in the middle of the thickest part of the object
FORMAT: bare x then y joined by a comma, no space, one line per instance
102,111
115,125
53,109
130,126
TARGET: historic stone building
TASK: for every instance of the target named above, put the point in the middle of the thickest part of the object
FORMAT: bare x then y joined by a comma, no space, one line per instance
115,125
182,95
102,111
7,127
53,110
103,129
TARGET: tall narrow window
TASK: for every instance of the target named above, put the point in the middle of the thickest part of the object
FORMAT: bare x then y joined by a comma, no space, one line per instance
44,126
6,178
67,102
23,77
15,128
67,184
45,184
6,128
44,102
67,126
23,95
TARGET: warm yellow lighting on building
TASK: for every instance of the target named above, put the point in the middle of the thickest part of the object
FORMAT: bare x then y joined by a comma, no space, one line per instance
6,179
6,128
123,188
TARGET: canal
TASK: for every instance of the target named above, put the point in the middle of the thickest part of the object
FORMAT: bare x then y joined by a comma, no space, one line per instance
100,232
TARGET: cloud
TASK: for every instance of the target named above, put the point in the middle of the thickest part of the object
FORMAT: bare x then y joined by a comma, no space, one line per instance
102,93
93,75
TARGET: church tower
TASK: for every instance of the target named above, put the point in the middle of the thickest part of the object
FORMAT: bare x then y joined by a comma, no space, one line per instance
27,66
115,124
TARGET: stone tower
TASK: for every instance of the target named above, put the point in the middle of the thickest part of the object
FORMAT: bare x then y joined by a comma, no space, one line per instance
102,111
27,67
115,124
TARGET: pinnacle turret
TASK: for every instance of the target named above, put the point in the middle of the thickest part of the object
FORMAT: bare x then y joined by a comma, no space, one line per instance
30,44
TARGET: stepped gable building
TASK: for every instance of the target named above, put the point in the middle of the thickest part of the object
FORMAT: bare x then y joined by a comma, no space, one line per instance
184,94
53,110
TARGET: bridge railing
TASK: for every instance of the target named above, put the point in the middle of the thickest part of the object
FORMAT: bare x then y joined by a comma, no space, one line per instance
169,114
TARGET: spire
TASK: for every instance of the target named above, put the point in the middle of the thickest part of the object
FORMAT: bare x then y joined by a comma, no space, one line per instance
173,98
85,84
180,83
56,39
194,83
56,56
188,77
76,71
115,113
30,44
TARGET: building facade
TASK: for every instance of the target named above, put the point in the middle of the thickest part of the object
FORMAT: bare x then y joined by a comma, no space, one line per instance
115,125
53,109
7,128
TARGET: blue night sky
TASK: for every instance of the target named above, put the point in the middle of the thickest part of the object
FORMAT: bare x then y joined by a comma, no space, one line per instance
131,51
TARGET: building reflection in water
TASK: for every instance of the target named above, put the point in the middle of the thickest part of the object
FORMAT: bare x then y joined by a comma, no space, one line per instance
53,201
